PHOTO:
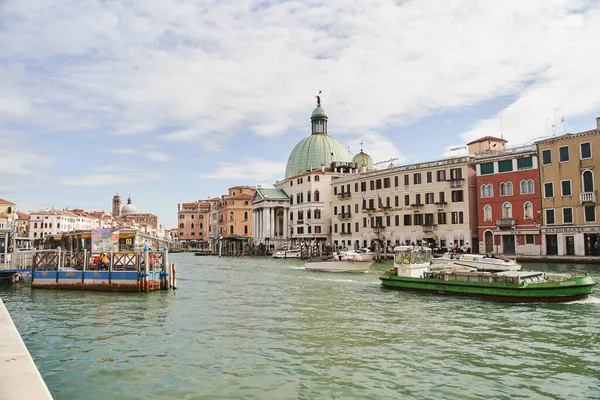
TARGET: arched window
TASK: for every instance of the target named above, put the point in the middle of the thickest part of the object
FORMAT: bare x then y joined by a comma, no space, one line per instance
316,178
506,210
523,187
509,189
302,197
317,214
300,215
308,196
484,191
34,234
231,215
528,210
245,229
245,214
50,225
487,212
502,189
316,194
297,198
530,187
588,181
231,229
291,215
291,199
35,225
307,214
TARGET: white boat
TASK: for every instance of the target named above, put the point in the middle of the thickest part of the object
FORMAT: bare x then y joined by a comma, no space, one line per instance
287,254
445,258
487,263
356,255
338,266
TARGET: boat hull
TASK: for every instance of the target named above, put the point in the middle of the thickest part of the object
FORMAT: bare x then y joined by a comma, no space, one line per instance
483,266
548,292
338,266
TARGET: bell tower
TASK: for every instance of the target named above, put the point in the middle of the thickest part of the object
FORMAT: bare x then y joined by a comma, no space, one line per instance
116,206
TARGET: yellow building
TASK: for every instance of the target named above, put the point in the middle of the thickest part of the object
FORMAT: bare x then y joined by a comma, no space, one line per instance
569,196
234,211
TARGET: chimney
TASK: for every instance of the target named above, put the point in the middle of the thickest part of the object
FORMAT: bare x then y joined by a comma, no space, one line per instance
598,123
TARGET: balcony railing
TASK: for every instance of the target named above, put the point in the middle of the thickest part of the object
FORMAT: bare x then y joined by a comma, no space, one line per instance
370,210
378,228
344,195
345,233
455,182
345,215
440,205
588,197
505,222
427,227
417,206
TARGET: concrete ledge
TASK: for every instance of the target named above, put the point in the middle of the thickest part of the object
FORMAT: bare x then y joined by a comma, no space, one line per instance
560,259
19,377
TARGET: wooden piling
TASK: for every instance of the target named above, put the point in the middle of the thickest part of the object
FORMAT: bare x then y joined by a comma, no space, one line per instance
174,276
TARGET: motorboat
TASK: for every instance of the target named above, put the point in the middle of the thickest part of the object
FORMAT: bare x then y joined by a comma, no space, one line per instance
487,263
362,255
287,254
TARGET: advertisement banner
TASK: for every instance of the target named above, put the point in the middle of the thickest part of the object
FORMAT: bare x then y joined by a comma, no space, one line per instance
105,240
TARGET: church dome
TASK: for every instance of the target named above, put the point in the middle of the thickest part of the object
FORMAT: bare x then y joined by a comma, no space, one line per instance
128,208
319,112
314,151
362,159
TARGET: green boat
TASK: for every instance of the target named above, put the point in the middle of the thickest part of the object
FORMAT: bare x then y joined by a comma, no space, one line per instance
412,271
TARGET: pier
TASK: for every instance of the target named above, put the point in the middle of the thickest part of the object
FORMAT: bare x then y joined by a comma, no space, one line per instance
19,376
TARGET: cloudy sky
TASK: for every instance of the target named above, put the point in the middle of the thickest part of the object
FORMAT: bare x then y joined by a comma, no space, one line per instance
177,100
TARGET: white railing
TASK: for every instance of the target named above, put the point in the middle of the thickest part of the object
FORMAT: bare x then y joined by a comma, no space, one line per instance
588,197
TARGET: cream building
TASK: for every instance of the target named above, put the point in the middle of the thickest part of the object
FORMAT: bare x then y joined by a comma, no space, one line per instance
426,203
569,181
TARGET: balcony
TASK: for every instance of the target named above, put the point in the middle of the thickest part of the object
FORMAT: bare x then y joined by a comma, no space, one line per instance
427,227
386,209
588,197
456,182
441,205
370,210
344,215
417,207
345,233
378,228
505,223
344,195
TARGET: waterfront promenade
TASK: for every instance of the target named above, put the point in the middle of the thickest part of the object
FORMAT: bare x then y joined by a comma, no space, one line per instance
19,376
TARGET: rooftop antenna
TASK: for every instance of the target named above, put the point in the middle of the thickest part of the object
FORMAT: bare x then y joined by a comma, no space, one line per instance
562,121
554,126
547,126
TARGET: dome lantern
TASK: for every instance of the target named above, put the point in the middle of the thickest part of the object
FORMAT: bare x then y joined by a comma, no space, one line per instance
319,118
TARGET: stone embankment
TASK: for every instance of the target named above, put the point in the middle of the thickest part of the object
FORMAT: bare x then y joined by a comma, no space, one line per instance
560,259
19,377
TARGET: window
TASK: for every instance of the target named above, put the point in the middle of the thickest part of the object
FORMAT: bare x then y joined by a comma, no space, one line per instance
548,190
546,157
441,175
181,216
230,230
317,178
487,190
486,168
363,186
429,177
308,195
378,184
356,187
457,217
386,183
397,220
396,201
505,166
245,229
407,220
565,188
406,199
487,212
528,210
588,181
441,218
457,196
506,210
316,195
406,178
418,220
525,163
506,189
442,197
527,187
317,214
396,181
456,173
529,239
193,226
567,215
550,217
585,150
428,198
417,178
563,153
371,185
590,213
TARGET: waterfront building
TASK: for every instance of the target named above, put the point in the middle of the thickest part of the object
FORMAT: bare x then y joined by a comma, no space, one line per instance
569,192
508,198
311,166
430,203
7,209
45,223
193,222
233,213
270,213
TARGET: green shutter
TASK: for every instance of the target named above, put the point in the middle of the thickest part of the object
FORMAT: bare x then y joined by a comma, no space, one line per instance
505,166
525,163
487,168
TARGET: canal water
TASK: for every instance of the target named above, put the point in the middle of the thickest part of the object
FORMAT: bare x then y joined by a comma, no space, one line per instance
258,328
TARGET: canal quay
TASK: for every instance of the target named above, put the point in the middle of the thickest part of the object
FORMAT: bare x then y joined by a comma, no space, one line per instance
260,328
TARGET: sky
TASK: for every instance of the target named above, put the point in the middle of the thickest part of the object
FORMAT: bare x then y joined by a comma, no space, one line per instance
177,100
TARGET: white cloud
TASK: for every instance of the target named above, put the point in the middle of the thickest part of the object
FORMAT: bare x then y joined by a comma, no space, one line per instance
211,68
250,170
98,180
157,156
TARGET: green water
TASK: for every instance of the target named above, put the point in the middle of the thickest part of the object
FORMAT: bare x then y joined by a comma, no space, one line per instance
266,329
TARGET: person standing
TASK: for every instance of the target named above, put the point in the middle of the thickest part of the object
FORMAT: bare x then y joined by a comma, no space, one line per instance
597,246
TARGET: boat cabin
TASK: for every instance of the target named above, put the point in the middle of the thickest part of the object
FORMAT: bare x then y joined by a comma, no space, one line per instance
411,261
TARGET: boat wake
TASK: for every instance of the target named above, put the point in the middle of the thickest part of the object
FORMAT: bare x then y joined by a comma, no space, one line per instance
588,300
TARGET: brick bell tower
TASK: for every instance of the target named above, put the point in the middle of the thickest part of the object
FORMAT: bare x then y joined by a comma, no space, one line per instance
116,206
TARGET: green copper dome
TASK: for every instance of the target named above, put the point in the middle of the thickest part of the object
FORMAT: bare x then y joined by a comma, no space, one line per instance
362,159
314,151
319,112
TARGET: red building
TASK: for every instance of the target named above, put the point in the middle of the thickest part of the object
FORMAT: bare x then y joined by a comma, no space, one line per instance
508,201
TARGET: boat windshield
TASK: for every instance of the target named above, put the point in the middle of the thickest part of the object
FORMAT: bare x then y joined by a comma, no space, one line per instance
402,257
412,256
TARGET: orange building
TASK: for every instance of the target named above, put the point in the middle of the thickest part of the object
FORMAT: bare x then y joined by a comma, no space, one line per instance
234,212
193,221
